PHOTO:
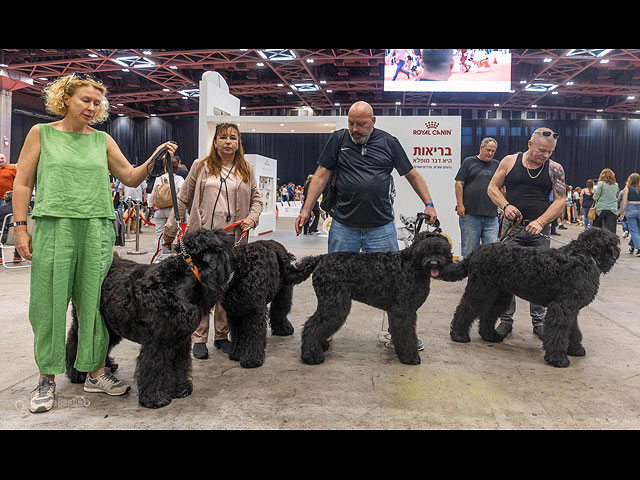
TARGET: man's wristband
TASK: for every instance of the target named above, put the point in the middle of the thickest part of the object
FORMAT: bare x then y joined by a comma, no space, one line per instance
505,207
429,205
15,224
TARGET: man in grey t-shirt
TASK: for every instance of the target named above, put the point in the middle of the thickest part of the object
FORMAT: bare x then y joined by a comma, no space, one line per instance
478,215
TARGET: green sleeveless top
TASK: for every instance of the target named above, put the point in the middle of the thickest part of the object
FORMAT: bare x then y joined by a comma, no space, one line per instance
72,179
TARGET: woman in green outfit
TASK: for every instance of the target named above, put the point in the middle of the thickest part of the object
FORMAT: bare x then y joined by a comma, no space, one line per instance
606,195
72,246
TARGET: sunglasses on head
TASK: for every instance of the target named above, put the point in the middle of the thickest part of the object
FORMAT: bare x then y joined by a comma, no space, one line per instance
548,133
79,76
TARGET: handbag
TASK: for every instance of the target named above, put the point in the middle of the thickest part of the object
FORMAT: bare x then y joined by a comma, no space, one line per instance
591,215
329,194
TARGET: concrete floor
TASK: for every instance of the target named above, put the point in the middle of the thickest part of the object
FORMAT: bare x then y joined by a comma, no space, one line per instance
362,385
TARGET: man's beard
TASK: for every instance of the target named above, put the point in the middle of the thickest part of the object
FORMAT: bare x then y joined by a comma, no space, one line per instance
362,140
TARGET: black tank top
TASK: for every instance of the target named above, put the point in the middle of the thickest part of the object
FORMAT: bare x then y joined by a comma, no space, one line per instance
529,190
587,200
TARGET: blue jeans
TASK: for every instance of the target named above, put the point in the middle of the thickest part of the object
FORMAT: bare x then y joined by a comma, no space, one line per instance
474,228
585,217
632,214
375,239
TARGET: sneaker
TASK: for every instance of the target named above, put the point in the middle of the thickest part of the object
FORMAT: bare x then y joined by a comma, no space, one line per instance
637,254
562,227
224,345
625,234
200,351
17,259
106,383
504,329
631,249
43,397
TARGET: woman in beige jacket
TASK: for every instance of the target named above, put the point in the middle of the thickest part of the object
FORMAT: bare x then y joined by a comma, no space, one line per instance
224,191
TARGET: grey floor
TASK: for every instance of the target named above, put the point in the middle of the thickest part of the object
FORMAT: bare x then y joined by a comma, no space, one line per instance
362,385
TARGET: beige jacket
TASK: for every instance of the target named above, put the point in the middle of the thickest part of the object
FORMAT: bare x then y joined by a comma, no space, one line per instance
248,203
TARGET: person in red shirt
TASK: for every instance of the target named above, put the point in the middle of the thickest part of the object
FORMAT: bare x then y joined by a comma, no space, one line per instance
7,175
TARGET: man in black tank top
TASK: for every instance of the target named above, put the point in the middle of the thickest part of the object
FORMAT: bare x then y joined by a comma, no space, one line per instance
529,179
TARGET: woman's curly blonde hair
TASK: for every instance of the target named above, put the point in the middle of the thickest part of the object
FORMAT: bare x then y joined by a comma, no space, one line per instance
54,92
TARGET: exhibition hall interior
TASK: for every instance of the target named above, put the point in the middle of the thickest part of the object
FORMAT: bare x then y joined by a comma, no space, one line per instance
320,239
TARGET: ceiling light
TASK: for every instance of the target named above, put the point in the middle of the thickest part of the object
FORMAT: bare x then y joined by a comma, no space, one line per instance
134,62
540,87
305,87
589,52
631,97
277,55
191,92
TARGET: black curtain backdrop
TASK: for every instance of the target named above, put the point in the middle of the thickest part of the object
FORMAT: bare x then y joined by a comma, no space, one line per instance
584,148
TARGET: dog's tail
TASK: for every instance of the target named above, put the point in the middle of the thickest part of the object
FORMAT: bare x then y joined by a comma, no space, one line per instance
455,271
300,271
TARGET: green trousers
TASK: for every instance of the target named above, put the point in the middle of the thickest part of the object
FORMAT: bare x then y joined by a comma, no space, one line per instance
71,258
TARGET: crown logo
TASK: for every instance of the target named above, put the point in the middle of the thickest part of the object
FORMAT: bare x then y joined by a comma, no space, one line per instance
432,124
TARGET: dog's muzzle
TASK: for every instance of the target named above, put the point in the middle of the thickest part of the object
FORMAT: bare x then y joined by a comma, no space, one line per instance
434,268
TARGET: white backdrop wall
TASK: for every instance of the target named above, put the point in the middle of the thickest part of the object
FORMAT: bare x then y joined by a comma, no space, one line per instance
433,144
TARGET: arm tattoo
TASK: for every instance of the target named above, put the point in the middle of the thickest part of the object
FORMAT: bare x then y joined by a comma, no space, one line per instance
556,172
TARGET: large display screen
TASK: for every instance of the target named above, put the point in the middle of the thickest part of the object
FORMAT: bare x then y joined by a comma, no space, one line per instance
447,70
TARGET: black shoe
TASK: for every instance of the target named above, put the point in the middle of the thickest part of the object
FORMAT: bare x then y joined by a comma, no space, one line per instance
224,345
539,331
504,329
200,351
555,233
562,227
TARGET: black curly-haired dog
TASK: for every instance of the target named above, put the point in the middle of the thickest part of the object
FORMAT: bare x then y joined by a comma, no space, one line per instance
159,306
565,280
264,274
396,282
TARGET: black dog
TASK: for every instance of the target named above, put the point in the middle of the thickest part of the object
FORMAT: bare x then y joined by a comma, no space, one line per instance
264,274
159,306
565,280
396,282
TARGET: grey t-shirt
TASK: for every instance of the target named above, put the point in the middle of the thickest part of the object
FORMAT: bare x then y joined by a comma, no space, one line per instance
476,176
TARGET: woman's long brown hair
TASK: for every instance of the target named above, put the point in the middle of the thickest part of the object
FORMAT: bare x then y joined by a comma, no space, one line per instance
213,161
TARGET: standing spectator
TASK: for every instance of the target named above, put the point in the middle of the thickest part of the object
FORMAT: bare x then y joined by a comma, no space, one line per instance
363,217
631,209
586,202
606,195
72,245
478,215
7,176
310,227
161,212
529,178
222,190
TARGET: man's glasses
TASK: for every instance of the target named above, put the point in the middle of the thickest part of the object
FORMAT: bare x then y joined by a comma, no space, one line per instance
548,133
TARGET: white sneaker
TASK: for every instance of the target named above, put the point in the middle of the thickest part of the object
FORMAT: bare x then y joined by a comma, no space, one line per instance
43,397
106,383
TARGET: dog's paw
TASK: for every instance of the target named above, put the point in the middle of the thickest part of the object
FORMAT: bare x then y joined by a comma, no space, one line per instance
76,376
251,363
493,337
460,338
283,330
576,351
158,402
183,390
410,360
557,360
312,359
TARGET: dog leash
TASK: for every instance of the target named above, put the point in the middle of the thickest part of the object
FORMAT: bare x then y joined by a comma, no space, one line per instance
244,234
421,217
506,237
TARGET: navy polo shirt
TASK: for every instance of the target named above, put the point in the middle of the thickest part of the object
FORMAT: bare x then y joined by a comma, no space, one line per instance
364,177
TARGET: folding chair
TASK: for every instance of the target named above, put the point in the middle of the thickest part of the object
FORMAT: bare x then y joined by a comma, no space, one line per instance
7,244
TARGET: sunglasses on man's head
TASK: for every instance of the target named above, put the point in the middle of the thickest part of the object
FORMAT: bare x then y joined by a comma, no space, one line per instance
549,134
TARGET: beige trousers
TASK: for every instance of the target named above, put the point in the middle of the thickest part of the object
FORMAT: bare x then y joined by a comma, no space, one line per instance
220,325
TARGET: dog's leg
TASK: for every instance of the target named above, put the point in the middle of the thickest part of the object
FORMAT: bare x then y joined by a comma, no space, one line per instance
248,337
575,347
487,323
280,308
557,327
402,327
183,387
465,313
330,315
152,368
71,350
